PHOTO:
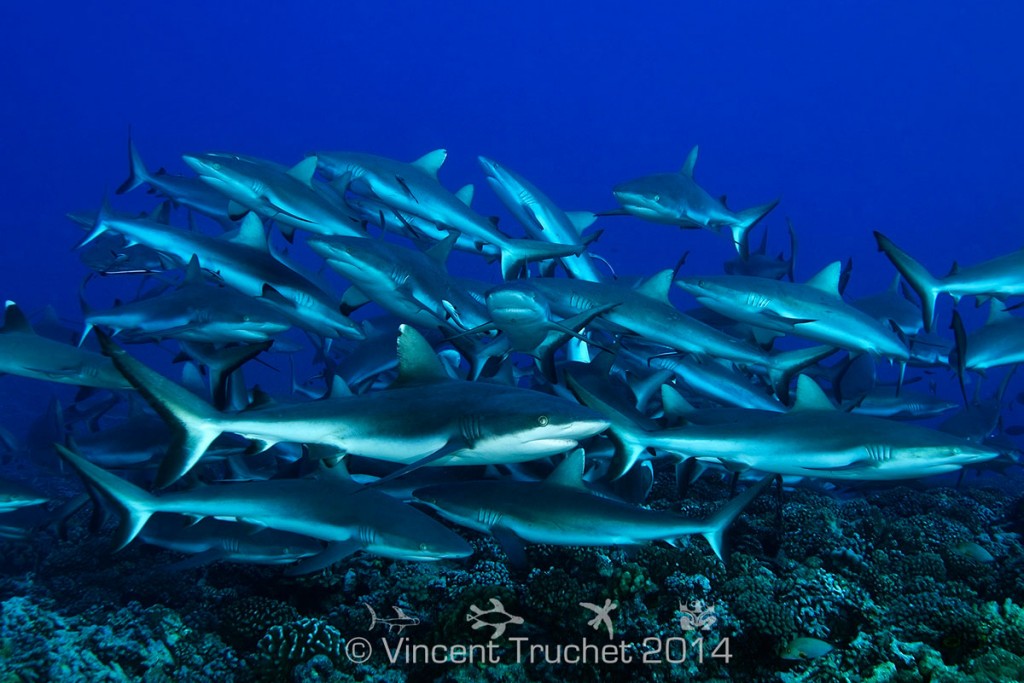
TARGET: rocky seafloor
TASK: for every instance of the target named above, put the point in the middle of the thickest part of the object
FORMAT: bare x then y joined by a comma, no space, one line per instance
881,574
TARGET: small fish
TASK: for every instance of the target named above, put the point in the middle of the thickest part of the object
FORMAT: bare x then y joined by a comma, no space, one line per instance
974,551
806,648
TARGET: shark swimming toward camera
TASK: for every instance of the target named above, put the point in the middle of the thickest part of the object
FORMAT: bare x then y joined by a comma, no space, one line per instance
677,199
542,219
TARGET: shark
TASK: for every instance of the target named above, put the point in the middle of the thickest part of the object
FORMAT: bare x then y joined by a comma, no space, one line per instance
645,310
15,495
812,439
243,260
998,278
542,218
195,311
424,418
677,199
286,195
813,310
347,516
412,285
561,510
999,342
27,354
185,191
213,540
414,189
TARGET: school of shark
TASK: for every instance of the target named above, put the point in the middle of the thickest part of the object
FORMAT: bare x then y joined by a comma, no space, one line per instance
541,406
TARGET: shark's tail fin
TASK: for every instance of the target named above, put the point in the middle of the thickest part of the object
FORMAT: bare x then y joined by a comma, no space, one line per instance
194,423
745,220
922,282
723,519
134,504
783,366
137,173
517,253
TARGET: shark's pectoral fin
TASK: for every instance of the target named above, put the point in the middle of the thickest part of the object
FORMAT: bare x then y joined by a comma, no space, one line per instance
512,545
198,560
787,320
452,446
848,467
334,552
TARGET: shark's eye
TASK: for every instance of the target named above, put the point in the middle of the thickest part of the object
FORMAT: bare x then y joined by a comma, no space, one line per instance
543,420
423,546
215,166
657,197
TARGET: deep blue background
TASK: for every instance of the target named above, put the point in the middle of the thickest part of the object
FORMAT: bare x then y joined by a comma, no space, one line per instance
902,117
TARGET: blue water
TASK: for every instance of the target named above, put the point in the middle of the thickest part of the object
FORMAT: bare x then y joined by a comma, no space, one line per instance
898,117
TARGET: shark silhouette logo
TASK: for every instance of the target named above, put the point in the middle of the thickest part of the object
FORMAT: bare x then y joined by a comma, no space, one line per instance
697,616
401,621
602,615
496,617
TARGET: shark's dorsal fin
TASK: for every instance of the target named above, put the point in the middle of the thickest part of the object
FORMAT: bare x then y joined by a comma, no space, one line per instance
251,233
440,251
581,220
338,387
161,214
691,161
673,403
260,399
809,396
304,170
657,286
193,272
417,362
15,320
431,162
827,280
569,472
465,194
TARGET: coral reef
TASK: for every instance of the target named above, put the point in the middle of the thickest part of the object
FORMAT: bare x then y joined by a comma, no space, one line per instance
884,578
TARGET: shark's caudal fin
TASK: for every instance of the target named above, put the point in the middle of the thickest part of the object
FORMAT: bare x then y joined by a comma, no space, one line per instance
920,280
137,173
194,423
135,505
723,519
745,220
517,253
